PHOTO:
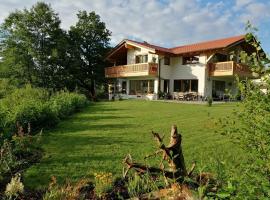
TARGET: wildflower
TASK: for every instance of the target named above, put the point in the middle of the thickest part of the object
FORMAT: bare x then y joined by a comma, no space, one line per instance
15,187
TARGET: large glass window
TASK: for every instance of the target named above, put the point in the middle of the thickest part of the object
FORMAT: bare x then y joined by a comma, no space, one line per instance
138,87
141,58
194,85
186,85
177,85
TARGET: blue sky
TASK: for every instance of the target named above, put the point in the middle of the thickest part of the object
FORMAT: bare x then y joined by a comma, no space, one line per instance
164,22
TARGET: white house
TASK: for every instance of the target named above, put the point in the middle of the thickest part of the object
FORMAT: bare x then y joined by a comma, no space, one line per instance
141,70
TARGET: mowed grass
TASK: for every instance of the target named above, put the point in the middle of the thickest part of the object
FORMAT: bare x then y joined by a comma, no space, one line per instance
97,139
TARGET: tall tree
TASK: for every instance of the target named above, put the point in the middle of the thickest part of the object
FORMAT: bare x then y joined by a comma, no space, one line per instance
89,40
34,46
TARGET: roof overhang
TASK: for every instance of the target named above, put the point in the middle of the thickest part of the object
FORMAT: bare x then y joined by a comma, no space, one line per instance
123,46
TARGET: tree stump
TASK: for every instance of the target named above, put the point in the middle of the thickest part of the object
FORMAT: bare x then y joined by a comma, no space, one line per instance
172,154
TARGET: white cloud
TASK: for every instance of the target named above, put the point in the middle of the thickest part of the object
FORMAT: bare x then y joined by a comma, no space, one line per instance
241,3
172,23
256,12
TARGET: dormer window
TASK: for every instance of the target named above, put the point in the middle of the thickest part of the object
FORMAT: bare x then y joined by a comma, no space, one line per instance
166,60
190,60
141,58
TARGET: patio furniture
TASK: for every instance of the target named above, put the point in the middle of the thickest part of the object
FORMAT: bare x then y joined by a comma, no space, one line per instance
175,96
181,96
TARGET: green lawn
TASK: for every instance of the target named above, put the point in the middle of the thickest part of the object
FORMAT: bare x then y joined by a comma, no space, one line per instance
98,138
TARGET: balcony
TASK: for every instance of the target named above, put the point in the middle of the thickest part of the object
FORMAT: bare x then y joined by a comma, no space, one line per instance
229,68
132,70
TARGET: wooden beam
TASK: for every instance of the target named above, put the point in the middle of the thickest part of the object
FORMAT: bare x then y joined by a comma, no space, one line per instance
128,46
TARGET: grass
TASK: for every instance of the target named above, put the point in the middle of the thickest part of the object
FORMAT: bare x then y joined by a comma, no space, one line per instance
97,139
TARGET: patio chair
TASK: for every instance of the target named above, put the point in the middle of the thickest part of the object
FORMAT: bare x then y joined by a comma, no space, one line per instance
181,96
175,96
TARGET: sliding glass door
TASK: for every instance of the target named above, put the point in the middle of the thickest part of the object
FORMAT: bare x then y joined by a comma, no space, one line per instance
139,87
185,85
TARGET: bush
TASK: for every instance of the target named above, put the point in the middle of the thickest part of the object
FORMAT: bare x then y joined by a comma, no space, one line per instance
36,107
209,101
66,103
24,106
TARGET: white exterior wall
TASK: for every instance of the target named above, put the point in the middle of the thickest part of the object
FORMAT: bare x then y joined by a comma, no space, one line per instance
132,53
175,71
191,71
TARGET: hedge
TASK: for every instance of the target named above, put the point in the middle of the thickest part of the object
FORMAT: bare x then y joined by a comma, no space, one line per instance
36,107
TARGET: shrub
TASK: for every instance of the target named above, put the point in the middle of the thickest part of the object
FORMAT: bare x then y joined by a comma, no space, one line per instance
66,103
209,101
36,107
23,106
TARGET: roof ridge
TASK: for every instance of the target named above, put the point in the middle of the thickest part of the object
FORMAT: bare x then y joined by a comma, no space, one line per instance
207,41
147,43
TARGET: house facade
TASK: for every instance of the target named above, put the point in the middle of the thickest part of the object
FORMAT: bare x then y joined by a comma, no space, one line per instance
206,69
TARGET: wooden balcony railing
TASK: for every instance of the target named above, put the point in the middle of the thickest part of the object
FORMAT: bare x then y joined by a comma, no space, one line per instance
132,70
229,68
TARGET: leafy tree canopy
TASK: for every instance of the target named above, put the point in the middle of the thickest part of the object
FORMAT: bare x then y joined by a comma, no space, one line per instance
89,40
33,48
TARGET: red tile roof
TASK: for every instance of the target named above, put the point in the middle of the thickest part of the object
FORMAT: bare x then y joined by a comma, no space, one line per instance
208,45
197,47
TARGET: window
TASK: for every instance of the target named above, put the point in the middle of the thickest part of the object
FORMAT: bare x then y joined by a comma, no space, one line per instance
166,60
177,85
186,85
141,59
194,85
190,60
124,87
138,87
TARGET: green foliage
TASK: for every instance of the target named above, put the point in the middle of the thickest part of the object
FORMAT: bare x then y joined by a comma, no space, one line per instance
35,50
258,59
24,106
103,183
89,43
209,101
35,107
249,127
141,184
34,47
6,87
65,103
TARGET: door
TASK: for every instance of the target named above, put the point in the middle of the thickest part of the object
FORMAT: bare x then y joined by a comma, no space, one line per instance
166,88
218,89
